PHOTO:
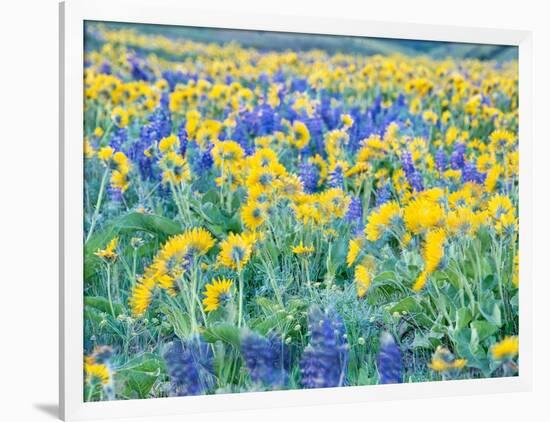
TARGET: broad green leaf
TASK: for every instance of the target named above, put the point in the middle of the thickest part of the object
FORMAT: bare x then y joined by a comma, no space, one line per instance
409,304
483,329
226,333
158,226
102,304
463,318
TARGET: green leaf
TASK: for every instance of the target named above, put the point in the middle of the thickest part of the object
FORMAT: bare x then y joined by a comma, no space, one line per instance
211,196
491,312
225,333
141,374
409,304
158,226
483,329
463,318
141,383
178,320
339,253
102,305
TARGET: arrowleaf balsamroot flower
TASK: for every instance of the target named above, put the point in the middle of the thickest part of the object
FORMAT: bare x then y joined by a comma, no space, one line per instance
433,252
389,360
380,221
422,214
108,254
254,214
364,273
444,361
303,250
507,348
170,263
216,294
235,251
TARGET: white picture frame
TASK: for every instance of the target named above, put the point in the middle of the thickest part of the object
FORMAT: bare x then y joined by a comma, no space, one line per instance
73,13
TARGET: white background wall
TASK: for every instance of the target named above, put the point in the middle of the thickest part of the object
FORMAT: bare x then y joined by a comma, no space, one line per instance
28,207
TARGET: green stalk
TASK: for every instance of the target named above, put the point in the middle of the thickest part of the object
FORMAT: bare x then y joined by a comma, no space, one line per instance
177,201
98,203
109,290
241,288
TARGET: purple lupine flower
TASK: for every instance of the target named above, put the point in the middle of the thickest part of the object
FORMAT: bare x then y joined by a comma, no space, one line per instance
355,211
390,363
383,194
336,178
441,160
182,136
309,175
471,174
266,119
190,367
267,359
457,156
407,163
324,361
115,194
118,137
416,181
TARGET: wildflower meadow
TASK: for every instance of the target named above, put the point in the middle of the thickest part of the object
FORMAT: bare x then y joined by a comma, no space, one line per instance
309,212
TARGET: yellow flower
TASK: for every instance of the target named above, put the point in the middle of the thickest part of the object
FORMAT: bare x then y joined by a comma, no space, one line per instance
170,263
300,135
119,181
261,177
434,249
98,132
363,275
464,221
263,157
170,143
120,116
303,250
493,176
89,151
347,120
235,251
175,168
501,141
506,348
429,117
354,249
334,203
422,214
289,186
254,214
378,222
420,281
307,213
96,372
217,293
105,154
109,253
444,361
227,153
141,296
502,212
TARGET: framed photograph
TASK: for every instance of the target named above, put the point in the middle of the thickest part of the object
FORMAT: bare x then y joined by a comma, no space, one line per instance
267,210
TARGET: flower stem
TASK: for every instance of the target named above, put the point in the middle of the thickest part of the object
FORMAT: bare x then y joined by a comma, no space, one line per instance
98,204
241,286
109,290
